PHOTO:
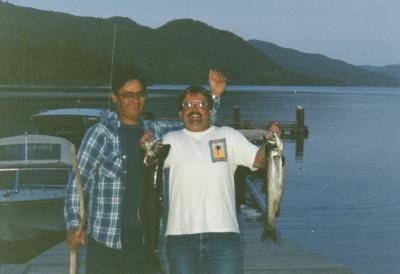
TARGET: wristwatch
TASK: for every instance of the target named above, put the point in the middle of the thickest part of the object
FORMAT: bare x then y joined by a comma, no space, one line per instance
216,98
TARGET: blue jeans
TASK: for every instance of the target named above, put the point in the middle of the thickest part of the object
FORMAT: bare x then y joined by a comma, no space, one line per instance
211,253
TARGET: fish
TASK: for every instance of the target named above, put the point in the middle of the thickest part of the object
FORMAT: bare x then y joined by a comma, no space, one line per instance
274,183
151,204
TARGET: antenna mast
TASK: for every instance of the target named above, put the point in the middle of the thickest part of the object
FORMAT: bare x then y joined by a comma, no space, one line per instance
112,67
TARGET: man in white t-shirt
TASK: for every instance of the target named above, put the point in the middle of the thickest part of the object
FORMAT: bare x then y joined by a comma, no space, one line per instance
202,229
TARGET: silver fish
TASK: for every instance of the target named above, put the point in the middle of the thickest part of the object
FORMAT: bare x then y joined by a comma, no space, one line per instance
275,176
151,198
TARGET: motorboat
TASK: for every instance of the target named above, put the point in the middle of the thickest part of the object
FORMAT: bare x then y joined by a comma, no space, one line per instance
71,123
68,123
34,171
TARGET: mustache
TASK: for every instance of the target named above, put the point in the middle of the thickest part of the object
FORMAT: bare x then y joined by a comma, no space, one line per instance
193,113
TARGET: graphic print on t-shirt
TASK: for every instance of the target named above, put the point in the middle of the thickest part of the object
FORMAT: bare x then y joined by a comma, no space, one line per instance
218,150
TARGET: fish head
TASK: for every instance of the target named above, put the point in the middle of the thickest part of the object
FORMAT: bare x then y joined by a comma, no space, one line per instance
274,144
278,141
156,152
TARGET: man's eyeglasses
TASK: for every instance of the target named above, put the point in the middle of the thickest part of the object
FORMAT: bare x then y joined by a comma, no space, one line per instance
131,95
192,104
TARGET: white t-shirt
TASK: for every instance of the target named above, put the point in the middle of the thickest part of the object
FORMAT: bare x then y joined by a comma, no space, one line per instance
201,183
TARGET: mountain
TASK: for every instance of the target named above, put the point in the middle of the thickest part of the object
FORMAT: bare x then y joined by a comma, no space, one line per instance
56,48
40,47
391,70
320,66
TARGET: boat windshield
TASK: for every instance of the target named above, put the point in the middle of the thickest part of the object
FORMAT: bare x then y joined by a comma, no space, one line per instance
8,179
44,177
34,177
15,152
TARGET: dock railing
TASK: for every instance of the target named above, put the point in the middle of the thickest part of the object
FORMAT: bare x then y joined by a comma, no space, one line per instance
255,194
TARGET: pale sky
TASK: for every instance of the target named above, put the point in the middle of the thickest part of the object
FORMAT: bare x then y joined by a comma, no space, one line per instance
359,32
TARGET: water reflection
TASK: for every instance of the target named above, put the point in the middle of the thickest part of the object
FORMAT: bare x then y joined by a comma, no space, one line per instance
299,148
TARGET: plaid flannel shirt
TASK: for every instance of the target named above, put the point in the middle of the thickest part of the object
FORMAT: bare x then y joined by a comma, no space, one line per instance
102,169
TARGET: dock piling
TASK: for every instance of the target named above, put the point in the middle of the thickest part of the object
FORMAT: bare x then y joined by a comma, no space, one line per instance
236,116
300,117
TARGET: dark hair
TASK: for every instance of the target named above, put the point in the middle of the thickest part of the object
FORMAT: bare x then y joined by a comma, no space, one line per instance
193,90
119,81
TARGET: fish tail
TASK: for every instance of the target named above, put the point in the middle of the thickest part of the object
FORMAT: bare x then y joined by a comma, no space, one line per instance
269,232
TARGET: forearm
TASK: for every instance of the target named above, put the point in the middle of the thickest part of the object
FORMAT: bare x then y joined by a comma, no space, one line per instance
214,111
71,206
87,160
260,159
269,147
160,128
72,210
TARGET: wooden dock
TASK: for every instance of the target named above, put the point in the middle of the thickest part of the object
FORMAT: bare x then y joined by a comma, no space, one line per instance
290,129
255,129
284,257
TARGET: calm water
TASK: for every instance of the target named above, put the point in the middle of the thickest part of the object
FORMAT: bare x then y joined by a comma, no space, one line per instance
341,196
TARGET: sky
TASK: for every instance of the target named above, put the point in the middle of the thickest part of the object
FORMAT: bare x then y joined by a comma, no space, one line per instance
359,32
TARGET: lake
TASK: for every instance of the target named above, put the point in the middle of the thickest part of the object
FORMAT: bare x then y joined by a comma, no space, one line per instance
342,194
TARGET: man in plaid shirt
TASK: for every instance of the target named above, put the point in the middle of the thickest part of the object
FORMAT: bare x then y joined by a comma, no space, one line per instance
110,160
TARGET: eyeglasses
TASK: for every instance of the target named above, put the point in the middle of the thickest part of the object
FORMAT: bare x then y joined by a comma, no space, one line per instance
130,95
192,104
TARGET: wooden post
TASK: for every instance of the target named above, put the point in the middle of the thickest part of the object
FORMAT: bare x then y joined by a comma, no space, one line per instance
236,116
300,117
299,147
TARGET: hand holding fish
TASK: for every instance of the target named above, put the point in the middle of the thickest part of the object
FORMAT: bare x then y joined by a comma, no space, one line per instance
146,138
217,82
269,134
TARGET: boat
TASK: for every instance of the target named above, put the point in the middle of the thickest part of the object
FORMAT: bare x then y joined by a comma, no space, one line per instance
68,123
34,171
71,123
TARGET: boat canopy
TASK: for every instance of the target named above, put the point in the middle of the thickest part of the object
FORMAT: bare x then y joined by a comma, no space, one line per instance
91,112
68,123
34,150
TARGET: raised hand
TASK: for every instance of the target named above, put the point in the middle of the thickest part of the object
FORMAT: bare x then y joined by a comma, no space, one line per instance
216,81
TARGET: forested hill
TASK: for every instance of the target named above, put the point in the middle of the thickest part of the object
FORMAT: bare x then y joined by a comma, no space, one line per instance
317,65
392,70
45,47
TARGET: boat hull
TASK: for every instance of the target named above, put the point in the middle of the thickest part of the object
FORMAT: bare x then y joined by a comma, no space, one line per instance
30,219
